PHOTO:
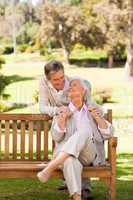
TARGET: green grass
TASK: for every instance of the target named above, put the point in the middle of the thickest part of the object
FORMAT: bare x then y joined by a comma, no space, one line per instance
32,189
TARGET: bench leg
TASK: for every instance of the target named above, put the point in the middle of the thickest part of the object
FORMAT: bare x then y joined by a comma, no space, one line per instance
112,189
110,182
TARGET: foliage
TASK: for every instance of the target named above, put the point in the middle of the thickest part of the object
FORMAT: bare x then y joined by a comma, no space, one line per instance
3,106
22,48
118,24
2,61
102,96
35,96
8,50
67,25
3,83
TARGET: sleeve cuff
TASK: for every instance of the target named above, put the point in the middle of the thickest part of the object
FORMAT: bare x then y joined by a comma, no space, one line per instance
107,130
57,128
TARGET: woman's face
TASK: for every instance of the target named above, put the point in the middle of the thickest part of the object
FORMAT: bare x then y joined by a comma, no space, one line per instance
76,89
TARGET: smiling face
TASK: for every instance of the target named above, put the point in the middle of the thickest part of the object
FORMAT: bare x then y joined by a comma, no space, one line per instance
76,90
57,79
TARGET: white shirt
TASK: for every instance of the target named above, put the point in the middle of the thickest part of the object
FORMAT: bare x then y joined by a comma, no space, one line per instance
81,120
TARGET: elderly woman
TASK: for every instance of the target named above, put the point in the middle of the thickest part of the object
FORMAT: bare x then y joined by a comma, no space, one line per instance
79,134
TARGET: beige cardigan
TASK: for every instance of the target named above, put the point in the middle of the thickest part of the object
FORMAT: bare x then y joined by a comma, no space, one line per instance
61,137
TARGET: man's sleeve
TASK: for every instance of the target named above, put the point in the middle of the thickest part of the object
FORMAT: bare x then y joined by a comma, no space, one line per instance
44,105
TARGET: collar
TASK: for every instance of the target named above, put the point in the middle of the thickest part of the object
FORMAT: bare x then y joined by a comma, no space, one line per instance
73,108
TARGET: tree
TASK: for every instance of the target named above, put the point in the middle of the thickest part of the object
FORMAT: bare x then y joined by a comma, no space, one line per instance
67,25
118,15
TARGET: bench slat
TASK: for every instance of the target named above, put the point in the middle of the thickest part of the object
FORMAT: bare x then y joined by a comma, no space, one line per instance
32,117
38,143
31,140
14,127
22,145
7,135
45,141
31,169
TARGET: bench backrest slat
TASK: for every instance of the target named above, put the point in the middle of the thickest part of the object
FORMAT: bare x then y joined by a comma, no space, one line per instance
7,131
31,140
22,145
14,127
38,140
45,141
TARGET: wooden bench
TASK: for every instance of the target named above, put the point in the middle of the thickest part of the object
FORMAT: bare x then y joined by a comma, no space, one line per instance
24,143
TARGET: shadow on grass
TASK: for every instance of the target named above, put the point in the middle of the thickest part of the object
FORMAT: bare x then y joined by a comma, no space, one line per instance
6,80
17,78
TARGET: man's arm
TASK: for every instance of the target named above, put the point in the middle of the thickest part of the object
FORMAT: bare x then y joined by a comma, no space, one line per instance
44,105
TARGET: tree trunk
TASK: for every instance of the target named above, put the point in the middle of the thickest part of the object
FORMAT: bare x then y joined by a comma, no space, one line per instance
129,62
110,61
65,51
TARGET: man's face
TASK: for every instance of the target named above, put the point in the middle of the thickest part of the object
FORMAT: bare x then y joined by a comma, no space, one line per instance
57,79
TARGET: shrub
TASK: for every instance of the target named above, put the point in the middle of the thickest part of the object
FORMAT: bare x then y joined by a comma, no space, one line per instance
8,50
4,81
3,106
22,48
35,96
29,49
102,95
79,46
43,51
2,61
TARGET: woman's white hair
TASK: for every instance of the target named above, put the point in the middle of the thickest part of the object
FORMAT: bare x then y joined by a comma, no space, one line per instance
79,79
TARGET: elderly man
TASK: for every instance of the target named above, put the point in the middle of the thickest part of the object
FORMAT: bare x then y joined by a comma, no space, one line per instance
52,100
79,134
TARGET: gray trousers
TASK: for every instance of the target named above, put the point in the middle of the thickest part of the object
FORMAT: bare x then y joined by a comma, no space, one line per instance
82,152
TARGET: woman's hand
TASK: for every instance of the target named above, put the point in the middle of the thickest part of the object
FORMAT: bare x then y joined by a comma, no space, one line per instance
62,117
96,114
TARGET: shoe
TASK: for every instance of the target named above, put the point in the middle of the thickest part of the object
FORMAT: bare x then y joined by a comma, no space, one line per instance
62,187
87,195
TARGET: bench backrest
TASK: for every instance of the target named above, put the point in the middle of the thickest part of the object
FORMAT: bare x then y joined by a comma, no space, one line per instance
25,136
